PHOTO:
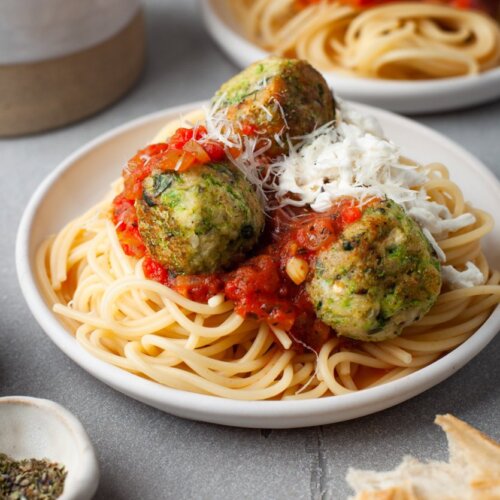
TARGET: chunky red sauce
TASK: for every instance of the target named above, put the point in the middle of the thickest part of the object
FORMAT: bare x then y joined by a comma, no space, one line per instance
259,287
185,149
488,6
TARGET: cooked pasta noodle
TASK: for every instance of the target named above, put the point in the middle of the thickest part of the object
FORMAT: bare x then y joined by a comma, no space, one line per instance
394,41
150,330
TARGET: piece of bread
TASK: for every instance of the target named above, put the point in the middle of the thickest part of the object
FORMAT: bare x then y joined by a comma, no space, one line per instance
403,492
471,473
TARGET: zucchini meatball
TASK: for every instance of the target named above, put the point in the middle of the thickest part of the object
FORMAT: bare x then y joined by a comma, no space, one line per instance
277,97
201,220
379,276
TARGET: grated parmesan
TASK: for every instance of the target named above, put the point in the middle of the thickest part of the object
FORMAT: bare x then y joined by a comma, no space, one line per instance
353,158
251,149
470,276
350,157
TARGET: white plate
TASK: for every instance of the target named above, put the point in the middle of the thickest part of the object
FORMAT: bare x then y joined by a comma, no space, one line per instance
427,96
83,178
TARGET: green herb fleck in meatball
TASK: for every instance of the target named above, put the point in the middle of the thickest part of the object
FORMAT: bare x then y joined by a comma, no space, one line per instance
381,275
277,97
199,221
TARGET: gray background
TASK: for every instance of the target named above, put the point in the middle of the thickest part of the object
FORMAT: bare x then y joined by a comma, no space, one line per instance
146,454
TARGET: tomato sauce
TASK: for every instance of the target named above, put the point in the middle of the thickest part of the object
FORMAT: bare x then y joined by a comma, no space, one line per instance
488,6
185,149
260,287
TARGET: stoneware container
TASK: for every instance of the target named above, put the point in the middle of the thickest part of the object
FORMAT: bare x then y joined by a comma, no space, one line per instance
38,428
62,60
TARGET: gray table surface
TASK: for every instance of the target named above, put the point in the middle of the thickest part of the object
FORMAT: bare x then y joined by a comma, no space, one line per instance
146,454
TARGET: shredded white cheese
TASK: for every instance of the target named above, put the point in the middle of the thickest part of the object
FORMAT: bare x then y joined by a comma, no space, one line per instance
435,217
439,252
470,276
353,158
345,161
251,149
350,157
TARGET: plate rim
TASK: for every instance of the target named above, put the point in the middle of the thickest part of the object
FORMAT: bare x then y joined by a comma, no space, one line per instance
273,414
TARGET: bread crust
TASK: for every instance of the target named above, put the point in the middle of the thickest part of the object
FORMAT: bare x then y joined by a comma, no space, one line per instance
397,493
473,470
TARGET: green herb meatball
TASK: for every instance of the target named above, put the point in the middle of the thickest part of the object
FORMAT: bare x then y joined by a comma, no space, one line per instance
201,220
379,276
277,97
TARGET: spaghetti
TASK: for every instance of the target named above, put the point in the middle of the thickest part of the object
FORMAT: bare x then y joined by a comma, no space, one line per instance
407,41
149,329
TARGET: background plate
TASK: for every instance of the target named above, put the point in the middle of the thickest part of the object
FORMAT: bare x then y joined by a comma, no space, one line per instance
414,97
84,177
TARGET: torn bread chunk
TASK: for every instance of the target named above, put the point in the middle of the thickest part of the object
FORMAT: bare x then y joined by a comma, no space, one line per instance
471,473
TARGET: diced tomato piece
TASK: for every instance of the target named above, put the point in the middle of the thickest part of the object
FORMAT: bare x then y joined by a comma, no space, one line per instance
258,275
125,218
255,288
180,137
154,270
169,160
198,287
317,233
197,150
131,241
186,139
175,159
276,311
199,132
234,152
123,211
350,214
132,182
214,150
139,167
248,128
186,162
154,149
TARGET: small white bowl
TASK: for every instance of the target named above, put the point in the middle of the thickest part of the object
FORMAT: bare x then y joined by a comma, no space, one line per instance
423,96
39,428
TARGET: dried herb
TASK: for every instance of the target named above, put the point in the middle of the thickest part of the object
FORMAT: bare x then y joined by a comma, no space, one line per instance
30,479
